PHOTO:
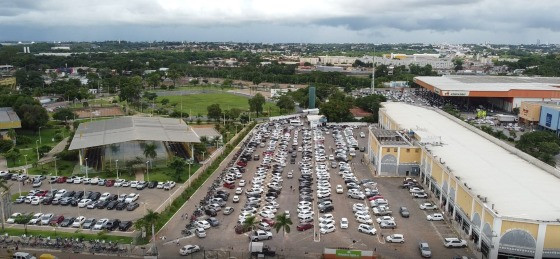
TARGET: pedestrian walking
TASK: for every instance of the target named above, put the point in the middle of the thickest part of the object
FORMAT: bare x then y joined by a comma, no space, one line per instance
177,242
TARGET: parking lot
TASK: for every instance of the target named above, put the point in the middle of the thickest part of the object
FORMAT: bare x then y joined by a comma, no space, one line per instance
149,198
311,242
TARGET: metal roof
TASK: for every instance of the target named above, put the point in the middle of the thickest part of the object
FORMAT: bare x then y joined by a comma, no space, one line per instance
206,132
123,129
491,83
7,114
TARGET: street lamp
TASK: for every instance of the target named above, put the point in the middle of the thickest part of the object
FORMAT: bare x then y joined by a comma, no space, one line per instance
190,162
148,170
40,139
55,170
86,168
37,148
117,163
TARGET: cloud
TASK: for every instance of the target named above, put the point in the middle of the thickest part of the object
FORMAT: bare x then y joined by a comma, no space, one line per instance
363,18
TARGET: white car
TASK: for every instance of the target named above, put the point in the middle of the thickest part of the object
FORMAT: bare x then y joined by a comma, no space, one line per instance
270,208
94,181
46,218
326,222
344,223
104,196
235,199
119,182
100,224
339,189
385,218
36,218
358,206
428,206
420,195
131,197
304,208
169,185
415,190
454,242
361,213
78,222
304,203
160,185
78,179
36,200
242,183
306,214
435,217
395,238
12,219
133,184
59,193
189,249
84,202
327,229
364,220
239,191
200,232
367,229
267,214
325,217
203,224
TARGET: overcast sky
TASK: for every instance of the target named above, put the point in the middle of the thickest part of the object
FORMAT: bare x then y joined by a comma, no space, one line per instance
315,21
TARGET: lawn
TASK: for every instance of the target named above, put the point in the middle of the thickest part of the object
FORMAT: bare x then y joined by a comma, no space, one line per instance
160,174
63,168
16,195
46,137
198,103
45,233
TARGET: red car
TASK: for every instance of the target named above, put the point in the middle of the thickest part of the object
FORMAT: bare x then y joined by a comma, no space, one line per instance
376,197
109,183
229,185
41,193
242,164
61,179
56,220
304,226
268,221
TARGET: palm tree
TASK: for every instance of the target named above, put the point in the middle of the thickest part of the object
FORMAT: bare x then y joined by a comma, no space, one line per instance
3,188
150,150
250,223
283,222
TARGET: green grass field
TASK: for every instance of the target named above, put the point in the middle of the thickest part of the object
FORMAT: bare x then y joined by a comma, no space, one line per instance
197,103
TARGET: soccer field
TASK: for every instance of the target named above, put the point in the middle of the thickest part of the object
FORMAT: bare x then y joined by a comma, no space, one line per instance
197,103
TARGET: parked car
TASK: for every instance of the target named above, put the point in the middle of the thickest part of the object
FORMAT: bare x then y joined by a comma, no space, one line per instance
56,220
100,224
395,238
425,250
67,222
112,224
125,225
304,226
435,217
132,206
454,242
189,249
79,222
363,228
89,223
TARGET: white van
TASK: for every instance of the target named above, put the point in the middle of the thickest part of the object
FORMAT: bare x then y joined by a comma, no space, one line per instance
23,255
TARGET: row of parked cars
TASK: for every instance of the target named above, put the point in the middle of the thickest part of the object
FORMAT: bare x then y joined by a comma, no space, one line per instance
139,185
82,222
81,199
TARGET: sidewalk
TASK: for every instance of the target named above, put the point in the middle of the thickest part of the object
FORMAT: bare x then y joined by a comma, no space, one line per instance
54,151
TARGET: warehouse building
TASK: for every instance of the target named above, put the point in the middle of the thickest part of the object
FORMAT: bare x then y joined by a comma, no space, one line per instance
499,92
8,120
504,200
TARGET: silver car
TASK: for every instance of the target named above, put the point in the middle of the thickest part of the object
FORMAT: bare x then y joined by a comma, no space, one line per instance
425,250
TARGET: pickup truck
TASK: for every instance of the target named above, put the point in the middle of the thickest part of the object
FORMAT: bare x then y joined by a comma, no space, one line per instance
257,248
260,235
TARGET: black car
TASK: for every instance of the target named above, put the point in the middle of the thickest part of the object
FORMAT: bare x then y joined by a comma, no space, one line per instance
210,212
121,205
88,195
47,201
113,197
67,222
326,209
132,206
74,202
125,225
102,204
78,195
152,184
112,204
95,196
112,224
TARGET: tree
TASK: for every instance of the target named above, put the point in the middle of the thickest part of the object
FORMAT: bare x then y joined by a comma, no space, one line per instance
12,135
150,150
458,64
12,155
371,103
63,114
150,96
5,145
256,103
337,109
250,223
154,79
164,101
214,111
286,103
283,222
44,149
24,219
174,75
149,220
33,116
178,164
543,145
233,113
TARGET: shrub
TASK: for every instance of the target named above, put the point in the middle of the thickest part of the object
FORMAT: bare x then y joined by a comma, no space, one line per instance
6,145
23,140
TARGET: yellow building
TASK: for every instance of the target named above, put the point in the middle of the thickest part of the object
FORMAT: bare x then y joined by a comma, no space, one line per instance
503,200
392,154
530,112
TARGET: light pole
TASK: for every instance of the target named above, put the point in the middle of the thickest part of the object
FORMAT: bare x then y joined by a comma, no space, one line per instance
117,163
148,170
190,162
40,139
25,163
37,148
86,168
55,170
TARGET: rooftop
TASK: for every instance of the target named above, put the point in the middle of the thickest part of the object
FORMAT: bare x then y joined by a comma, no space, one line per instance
123,129
389,137
7,114
359,112
516,187
491,83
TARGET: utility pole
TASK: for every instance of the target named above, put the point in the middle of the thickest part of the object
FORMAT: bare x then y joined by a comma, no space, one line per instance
373,71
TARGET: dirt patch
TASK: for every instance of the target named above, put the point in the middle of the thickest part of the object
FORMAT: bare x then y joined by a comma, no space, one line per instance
99,112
